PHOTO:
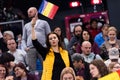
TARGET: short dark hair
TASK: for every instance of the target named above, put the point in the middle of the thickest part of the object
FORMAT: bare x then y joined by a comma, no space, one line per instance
93,20
6,57
77,57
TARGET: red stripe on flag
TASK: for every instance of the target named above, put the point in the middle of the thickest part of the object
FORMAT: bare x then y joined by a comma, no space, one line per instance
53,11
118,71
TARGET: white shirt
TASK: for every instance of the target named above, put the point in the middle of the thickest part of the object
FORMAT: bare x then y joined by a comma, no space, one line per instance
20,56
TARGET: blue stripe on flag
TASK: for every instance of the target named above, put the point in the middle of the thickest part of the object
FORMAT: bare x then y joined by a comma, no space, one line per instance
41,6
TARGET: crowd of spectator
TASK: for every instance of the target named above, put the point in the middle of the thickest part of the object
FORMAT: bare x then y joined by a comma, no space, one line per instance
90,54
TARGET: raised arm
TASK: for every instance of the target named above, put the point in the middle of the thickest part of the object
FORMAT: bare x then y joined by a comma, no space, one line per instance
42,50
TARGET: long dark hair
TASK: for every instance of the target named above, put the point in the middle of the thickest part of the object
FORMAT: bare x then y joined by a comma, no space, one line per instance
48,43
82,40
1,65
22,66
61,35
102,68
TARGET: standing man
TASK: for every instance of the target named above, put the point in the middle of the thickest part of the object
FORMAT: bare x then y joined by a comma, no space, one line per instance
42,28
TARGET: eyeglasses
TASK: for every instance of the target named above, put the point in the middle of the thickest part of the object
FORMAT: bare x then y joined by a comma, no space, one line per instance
117,67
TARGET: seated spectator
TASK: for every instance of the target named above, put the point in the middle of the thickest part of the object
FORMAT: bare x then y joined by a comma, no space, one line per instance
81,67
19,42
113,56
3,40
64,41
21,73
3,72
75,39
7,59
86,36
93,29
102,36
98,69
87,54
20,55
67,74
114,66
111,42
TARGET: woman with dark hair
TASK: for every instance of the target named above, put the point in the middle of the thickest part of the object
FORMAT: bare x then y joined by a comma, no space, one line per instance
55,58
3,72
64,41
86,36
98,69
21,73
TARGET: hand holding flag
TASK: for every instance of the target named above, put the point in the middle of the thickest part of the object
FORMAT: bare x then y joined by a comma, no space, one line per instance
34,19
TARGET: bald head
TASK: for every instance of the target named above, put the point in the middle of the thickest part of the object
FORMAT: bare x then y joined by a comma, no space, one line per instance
32,11
86,47
85,43
32,8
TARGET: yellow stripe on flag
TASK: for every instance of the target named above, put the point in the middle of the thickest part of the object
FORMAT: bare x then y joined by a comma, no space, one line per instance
47,9
111,76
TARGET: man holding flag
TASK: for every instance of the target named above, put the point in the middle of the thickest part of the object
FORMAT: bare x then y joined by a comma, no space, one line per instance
42,28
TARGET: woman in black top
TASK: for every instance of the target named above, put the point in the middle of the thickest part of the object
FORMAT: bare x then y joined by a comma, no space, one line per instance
54,56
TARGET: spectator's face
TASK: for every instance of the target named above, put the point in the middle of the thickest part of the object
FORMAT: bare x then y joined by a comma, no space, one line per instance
57,31
53,40
112,35
116,67
86,48
11,44
68,76
19,37
19,72
77,65
31,13
105,30
94,71
78,31
94,24
2,72
86,36
7,37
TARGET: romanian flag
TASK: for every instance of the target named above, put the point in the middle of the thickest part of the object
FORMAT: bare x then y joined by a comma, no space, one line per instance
112,76
48,9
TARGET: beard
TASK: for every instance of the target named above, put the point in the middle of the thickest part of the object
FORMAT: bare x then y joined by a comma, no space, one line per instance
78,36
32,16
